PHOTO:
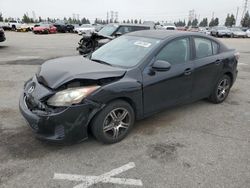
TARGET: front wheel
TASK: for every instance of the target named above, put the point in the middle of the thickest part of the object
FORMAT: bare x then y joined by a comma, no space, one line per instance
221,90
114,122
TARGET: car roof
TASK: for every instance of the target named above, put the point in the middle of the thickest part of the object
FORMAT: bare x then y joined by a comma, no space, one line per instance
164,34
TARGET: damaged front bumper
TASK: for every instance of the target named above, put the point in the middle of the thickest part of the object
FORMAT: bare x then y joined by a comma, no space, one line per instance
69,124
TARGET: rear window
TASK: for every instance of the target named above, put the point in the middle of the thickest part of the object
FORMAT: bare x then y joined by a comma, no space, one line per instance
203,47
215,48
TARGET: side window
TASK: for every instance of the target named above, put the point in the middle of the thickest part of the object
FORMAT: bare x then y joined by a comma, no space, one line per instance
138,28
124,29
175,52
203,47
215,48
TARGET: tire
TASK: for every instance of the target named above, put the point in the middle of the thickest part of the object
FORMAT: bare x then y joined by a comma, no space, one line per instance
221,90
116,129
13,28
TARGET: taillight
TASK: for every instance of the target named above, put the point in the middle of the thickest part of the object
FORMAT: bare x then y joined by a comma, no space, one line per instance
237,55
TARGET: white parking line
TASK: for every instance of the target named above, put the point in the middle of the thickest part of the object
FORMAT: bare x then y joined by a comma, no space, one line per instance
104,178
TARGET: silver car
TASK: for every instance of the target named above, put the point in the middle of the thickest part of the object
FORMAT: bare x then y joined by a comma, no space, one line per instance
221,31
237,32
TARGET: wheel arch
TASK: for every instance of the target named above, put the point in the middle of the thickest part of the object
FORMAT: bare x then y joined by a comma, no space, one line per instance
230,76
129,101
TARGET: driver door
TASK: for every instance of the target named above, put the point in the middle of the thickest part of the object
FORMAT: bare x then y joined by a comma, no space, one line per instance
162,89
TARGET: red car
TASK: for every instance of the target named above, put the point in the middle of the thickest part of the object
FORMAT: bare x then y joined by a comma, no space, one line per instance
44,29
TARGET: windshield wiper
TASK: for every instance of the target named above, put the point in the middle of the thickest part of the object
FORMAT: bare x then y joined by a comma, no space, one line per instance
102,62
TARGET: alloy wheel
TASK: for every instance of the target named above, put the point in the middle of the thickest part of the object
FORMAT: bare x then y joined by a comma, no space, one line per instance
223,89
116,123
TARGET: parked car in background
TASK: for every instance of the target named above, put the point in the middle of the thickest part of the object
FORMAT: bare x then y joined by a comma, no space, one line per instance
44,28
205,30
237,32
248,33
63,27
24,27
2,35
221,31
14,24
90,43
5,26
194,29
169,26
130,78
84,29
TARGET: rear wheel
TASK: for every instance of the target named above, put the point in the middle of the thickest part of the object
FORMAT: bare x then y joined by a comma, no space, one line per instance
221,90
114,122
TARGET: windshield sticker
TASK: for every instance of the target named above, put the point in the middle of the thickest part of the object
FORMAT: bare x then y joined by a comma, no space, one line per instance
142,44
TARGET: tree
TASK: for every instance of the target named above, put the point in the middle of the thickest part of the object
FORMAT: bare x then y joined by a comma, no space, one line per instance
128,21
40,19
204,22
136,21
245,22
214,22
195,22
140,22
96,21
179,23
26,19
1,17
230,20
189,23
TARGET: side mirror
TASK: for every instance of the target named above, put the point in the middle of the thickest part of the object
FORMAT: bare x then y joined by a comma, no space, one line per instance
161,65
118,34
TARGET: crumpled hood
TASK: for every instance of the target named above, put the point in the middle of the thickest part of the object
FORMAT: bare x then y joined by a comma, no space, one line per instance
57,72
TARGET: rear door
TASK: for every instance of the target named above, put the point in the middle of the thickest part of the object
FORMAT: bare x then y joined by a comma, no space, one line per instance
207,66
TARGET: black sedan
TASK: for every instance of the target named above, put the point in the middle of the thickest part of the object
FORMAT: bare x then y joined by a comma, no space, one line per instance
130,78
2,35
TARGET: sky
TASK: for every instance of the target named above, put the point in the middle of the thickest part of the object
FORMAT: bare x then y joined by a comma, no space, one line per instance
150,10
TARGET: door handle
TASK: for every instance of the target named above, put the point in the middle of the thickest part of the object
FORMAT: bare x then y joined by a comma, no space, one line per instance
218,61
187,71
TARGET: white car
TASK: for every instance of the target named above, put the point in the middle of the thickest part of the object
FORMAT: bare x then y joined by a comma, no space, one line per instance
248,33
169,26
84,29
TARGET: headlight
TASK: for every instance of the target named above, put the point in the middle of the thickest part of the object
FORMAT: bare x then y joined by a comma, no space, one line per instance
71,96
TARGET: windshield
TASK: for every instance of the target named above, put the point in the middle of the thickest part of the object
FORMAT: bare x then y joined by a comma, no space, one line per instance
108,30
125,51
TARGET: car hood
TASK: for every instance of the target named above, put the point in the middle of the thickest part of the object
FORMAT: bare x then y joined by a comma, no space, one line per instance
56,72
40,28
